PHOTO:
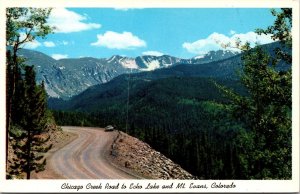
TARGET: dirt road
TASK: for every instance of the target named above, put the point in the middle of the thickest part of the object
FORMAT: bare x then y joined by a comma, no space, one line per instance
84,157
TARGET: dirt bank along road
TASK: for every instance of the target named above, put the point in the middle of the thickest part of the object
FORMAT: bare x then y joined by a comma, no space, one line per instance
84,157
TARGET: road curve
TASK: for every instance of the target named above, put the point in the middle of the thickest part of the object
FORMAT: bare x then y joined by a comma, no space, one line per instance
84,158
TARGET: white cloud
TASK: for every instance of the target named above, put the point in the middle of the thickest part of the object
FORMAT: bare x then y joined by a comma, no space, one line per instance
59,56
32,45
114,40
217,41
120,8
232,32
65,42
66,21
153,53
29,45
49,44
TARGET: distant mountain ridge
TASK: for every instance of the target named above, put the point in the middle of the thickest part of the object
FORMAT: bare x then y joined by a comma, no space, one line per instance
223,71
65,78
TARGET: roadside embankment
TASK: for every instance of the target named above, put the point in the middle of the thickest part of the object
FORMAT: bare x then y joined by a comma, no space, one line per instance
135,155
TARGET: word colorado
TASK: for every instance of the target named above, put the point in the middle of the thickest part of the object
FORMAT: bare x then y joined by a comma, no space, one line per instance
221,186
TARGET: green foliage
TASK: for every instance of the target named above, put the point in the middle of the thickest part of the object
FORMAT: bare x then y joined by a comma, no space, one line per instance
29,137
212,131
25,24
74,118
281,30
26,102
265,114
184,118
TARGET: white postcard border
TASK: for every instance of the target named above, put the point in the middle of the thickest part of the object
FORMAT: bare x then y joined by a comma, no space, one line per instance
240,185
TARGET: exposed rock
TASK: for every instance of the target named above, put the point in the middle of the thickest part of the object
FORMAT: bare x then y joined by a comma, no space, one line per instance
65,78
127,164
141,158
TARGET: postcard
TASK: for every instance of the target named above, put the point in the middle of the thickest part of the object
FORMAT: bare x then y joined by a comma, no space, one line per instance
145,96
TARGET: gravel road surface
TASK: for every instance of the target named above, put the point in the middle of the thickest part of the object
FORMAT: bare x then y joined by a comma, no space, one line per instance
85,157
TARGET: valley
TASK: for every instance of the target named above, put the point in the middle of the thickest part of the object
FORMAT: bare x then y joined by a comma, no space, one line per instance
139,99
65,78
163,113
164,106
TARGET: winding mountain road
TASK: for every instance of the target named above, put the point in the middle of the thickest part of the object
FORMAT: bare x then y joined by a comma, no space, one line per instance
84,157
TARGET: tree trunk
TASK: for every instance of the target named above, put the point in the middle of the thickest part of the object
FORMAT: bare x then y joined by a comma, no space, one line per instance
10,92
28,147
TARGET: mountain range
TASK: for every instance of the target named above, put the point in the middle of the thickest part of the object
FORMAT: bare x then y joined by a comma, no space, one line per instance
178,109
65,78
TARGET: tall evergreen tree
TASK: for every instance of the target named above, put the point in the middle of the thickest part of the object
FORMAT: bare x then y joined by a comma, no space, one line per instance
30,145
24,98
23,25
267,114
265,145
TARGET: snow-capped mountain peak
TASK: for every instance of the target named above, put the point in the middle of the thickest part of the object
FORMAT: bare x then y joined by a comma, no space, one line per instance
214,56
68,77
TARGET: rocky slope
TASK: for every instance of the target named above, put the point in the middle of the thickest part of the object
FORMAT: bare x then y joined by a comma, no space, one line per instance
65,78
135,155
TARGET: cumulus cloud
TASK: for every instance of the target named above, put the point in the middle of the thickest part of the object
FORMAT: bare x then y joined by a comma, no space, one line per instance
59,56
114,40
34,43
153,53
66,21
49,44
217,41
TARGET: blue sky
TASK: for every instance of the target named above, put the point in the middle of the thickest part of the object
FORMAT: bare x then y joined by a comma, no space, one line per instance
185,33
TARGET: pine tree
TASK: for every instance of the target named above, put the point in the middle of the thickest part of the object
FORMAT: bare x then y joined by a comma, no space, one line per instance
265,144
26,102
23,25
30,145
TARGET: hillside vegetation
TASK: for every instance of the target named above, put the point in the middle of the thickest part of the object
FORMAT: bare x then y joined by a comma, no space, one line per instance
228,119
184,118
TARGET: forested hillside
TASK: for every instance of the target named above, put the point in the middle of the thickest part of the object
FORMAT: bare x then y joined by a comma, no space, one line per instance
228,119
174,115
221,115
